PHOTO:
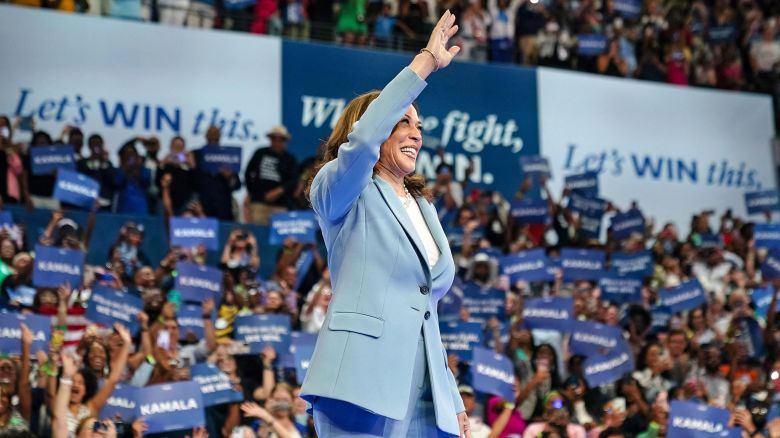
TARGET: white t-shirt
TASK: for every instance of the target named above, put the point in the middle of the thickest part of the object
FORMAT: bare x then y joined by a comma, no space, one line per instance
766,53
423,232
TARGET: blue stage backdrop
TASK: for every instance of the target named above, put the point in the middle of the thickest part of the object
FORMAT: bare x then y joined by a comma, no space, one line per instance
461,109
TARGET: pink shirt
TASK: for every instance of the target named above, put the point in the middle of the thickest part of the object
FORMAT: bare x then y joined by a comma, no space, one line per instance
572,430
514,427
14,171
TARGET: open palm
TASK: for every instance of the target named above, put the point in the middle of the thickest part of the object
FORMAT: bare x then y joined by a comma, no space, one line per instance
437,43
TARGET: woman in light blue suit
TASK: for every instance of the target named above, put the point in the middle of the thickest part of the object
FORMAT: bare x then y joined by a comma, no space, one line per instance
379,368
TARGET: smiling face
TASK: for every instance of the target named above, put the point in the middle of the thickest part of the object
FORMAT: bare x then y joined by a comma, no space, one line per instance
398,154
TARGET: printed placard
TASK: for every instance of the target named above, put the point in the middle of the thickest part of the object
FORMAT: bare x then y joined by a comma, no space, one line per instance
582,264
46,159
170,406
492,373
189,232
75,188
298,224
761,201
11,332
686,296
689,419
257,331
530,265
55,266
215,386
555,313
216,158
197,283
108,306
461,337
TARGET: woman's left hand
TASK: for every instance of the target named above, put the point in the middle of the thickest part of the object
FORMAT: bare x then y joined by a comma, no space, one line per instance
463,423
437,43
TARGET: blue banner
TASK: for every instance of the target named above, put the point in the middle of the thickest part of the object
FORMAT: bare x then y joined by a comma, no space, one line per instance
590,224
695,420
215,386
535,166
170,406
582,264
591,44
189,232
686,296
121,405
197,283
758,202
710,241
483,304
233,5
75,188
623,225
190,319
722,34
302,355
47,159
591,338
762,298
216,158
620,289
476,125
530,265
603,369
460,338
660,316
632,264
449,306
770,269
629,8
493,373
257,331
107,306
11,332
584,184
530,211
555,313
586,205
767,235
55,266
301,225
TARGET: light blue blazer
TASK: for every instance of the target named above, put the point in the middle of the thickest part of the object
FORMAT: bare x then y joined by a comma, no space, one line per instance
383,290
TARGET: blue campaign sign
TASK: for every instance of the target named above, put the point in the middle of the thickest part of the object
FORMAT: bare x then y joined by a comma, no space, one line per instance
770,269
617,288
623,225
530,211
6,219
762,298
535,166
121,405
710,241
582,264
189,232
758,202
47,159
11,332
232,5
215,386
75,188
590,224
660,316
531,265
589,338
722,34
107,306
197,283
190,319
216,158
603,369
492,373
695,420
55,266
450,305
767,235
301,225
302,355
477,124
629,8
586,205
257,331
686,296
584,184
637,264
555,313
170,406
460,338
591,44
482,304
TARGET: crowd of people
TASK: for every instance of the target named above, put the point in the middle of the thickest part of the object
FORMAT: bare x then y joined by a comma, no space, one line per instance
726,44
710,355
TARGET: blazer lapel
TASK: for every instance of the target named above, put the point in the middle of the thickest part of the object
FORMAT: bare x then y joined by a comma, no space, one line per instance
429,214
392,200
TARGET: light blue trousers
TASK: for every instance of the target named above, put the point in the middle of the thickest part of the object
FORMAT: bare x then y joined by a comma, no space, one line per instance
336,418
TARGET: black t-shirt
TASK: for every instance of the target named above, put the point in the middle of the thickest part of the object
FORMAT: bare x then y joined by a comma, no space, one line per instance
268,170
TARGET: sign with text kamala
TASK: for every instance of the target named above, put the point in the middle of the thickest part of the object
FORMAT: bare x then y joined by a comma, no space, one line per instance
555,313
492,373
672,166
75,188
696,420
170,406
197,283
189,232
56,266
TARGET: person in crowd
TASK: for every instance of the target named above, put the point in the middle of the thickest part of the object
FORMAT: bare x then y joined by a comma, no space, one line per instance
179,164
131,180
611,63
555,419
215,190
271,178
240,252
502,29
97,166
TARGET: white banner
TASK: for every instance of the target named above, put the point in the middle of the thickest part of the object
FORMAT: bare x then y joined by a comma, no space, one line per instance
676,150
123,79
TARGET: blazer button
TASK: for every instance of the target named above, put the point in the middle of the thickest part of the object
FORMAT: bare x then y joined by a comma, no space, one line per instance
427,314
425,290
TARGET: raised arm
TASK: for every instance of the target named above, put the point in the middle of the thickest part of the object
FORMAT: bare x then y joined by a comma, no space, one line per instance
117,368
339,182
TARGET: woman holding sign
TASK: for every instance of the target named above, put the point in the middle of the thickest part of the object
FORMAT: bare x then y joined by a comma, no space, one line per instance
379,368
